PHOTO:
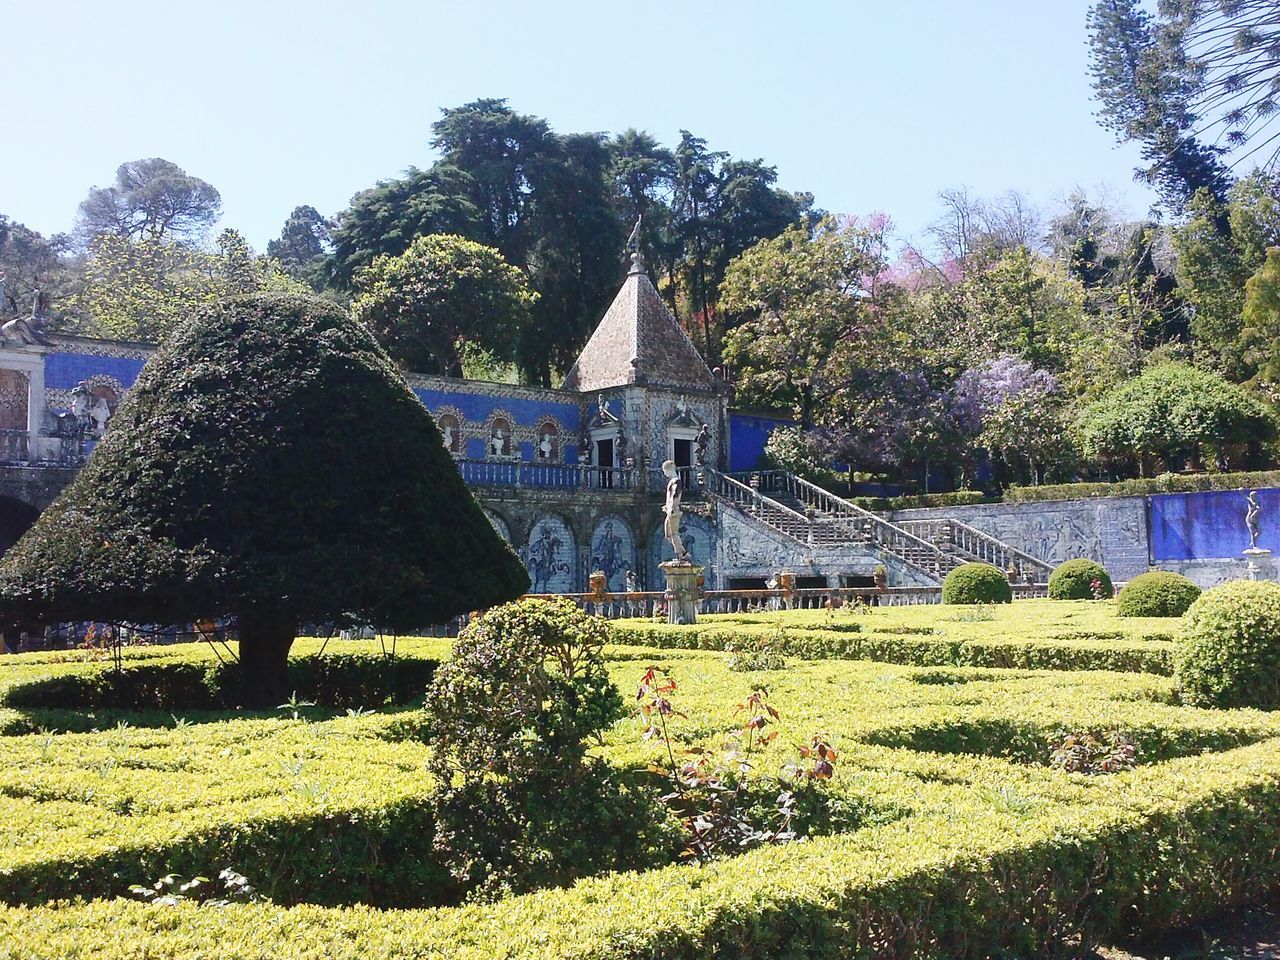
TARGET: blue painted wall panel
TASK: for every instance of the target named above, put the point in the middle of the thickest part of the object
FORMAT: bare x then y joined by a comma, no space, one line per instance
747,437
1205,526
63,371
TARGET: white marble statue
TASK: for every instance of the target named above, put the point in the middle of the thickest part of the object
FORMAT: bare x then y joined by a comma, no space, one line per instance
448,436
545,448
671,526
90,410
498,443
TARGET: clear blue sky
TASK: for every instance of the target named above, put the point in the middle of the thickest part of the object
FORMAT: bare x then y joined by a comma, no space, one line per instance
871,106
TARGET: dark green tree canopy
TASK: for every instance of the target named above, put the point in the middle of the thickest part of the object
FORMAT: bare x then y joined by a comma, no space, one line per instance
385,219
302,245
1193,83
270,463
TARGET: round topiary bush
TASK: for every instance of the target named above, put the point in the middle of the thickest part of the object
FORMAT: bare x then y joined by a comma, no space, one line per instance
976,583
1074,580
1157,594
1229,650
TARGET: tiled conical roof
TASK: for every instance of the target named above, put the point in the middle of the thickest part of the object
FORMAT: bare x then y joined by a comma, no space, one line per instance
638,341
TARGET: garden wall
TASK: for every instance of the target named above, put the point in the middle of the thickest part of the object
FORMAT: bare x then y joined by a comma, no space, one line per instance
1200,535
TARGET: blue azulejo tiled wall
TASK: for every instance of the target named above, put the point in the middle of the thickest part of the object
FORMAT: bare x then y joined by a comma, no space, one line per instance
63,371
476,406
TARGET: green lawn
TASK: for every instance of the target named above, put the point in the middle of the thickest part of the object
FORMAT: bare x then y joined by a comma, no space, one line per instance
969,841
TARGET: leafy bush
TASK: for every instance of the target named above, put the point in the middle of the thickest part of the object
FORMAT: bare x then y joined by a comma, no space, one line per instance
1173,410
519,805
1080,579
1012,876
980,857
955,498
1229,652
1158,593
229,887
757,652
976,583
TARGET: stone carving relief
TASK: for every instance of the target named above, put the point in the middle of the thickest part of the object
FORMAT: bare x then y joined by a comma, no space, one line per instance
1049,536
94,404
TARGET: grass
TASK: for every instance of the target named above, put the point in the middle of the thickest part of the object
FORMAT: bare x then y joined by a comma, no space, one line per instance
975,845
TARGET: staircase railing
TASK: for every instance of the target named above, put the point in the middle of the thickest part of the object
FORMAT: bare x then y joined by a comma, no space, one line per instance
752,501
860,525
972,544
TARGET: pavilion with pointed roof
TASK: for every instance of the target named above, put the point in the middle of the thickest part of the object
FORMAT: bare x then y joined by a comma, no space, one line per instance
639,342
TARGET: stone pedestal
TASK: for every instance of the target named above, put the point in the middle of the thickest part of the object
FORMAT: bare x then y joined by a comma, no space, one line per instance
682,590
1255,555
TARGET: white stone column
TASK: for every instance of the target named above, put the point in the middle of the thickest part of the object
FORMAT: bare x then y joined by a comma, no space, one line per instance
35,408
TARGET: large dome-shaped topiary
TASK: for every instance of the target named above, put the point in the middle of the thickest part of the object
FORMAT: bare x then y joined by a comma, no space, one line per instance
976,583
1229,647
1076,579
1158,593
270,463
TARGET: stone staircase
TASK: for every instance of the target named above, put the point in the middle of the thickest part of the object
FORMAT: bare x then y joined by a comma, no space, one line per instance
810,515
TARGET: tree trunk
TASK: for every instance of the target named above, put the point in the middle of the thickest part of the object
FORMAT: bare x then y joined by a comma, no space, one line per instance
265,639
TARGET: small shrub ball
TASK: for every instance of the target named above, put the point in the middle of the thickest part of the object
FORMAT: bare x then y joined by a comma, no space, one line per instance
1159,593
1074,579
972,583
1229,647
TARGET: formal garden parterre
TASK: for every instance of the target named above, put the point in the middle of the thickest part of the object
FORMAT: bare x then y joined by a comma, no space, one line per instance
960,832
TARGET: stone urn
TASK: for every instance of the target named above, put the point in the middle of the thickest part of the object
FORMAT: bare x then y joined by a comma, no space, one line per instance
599,585
880,577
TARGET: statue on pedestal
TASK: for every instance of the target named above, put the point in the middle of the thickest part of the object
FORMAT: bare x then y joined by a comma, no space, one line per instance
673,511
1254,553
1251,513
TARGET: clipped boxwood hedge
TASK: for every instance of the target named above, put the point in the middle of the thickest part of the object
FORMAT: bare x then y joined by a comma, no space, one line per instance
334,680
976,583
1074,579
1177,844
1229,651
976,855
1165,483
1136,656
1157,593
